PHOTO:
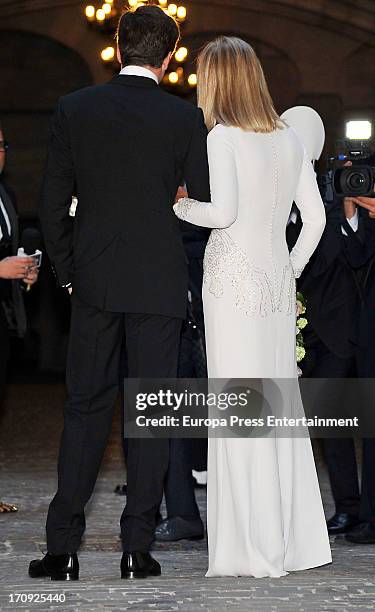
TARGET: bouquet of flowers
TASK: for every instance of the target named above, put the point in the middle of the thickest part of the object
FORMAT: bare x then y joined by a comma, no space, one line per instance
301,324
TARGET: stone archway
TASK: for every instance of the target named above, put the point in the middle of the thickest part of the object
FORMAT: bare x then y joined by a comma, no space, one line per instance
359,81
34,71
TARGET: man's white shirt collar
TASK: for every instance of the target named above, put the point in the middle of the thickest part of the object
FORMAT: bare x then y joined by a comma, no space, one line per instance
139,71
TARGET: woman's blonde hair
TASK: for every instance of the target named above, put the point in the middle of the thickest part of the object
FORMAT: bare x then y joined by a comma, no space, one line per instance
232,88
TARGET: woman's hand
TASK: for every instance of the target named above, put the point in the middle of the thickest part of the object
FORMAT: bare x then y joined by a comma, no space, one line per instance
181,193
14,268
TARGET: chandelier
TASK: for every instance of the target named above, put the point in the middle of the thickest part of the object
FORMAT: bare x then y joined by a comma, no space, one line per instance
104,17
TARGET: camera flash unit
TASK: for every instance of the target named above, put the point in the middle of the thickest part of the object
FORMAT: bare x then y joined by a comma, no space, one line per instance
358,130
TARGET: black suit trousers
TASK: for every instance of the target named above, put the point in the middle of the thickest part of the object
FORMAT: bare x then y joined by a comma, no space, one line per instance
152,344
340,453
4,352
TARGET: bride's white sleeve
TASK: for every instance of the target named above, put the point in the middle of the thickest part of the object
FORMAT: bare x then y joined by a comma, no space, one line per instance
222,210
313,216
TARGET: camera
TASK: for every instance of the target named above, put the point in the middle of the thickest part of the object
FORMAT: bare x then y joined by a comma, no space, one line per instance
355,180
359,178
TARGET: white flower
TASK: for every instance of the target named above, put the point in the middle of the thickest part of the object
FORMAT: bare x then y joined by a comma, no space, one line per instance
301,323
300,353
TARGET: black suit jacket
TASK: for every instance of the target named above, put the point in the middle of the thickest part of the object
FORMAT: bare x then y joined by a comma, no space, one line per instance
123,148
360,252
329,285
13,305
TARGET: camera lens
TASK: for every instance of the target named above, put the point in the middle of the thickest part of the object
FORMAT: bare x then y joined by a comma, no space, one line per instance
355,181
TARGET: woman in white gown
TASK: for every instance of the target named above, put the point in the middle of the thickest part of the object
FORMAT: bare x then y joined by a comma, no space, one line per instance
265,515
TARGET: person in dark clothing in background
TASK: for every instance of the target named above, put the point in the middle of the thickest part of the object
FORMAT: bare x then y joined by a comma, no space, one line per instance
13,270
360,248
183,518
332,285
361,253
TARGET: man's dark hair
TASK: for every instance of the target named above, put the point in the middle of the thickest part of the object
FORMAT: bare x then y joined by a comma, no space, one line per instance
146,36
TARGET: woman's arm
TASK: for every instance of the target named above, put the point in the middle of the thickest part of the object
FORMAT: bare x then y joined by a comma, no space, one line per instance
313,216
222,210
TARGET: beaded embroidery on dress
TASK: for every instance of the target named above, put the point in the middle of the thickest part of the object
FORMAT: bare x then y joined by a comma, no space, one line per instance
255,293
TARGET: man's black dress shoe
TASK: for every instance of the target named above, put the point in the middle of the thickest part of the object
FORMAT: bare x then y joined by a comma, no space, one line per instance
56,567
178,528
139,565
364,533
341,522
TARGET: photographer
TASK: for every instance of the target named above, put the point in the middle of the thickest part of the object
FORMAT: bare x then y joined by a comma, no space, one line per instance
183,519
13,271
361,255
360,248
338,288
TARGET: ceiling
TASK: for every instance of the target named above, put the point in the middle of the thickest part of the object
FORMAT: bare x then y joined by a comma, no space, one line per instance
356,18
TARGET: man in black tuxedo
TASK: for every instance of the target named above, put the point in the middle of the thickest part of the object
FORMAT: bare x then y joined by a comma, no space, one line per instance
123,148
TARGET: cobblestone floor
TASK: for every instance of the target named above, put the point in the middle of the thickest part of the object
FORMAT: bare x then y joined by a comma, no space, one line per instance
28,441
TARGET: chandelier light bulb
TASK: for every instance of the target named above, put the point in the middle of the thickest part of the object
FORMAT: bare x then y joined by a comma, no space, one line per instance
173,78
90,12
163,2
100,15
108,54
106,8
133,3
181,54
192,80
181,13
172,9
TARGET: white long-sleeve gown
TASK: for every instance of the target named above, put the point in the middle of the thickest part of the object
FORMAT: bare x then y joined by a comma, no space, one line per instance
265,514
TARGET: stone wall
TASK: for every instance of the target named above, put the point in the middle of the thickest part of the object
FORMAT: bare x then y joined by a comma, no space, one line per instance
314,52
